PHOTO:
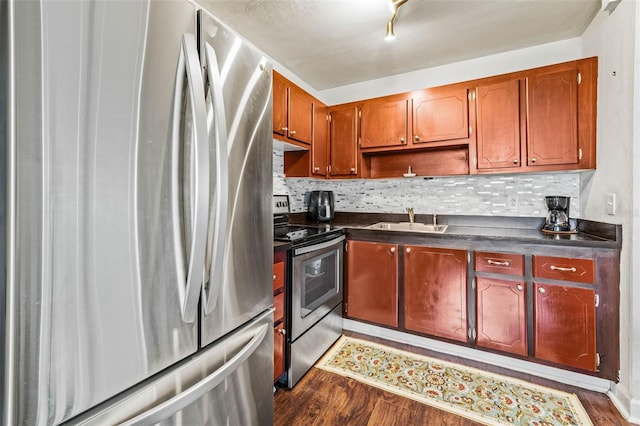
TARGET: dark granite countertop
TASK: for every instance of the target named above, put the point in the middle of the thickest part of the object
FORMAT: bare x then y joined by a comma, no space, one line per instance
494,228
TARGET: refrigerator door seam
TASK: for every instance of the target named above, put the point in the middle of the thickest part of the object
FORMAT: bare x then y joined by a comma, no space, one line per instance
220,224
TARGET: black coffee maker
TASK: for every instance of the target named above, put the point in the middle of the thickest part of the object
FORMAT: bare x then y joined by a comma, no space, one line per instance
557,220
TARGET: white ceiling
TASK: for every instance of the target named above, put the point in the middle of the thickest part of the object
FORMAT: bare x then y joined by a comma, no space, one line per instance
332,43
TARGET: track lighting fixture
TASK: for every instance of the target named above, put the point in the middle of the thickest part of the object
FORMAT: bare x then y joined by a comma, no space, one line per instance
395,6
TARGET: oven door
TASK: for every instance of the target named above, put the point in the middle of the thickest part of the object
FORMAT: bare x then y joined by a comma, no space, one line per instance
316,284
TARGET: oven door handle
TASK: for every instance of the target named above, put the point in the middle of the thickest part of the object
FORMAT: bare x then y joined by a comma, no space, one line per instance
309,249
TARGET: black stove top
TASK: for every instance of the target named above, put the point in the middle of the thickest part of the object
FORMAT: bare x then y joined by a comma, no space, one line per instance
295,233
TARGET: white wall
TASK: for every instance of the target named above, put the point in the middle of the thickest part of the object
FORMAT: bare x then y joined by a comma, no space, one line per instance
613,38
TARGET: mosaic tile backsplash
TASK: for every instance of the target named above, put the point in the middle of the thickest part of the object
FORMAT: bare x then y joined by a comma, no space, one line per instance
478,195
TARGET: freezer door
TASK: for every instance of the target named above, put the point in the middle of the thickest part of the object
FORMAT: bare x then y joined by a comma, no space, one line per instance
103,229
229,383
240,240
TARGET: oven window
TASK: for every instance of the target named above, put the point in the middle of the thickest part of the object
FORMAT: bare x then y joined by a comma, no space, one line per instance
320,280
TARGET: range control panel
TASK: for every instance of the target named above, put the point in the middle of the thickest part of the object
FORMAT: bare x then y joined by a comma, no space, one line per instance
280,204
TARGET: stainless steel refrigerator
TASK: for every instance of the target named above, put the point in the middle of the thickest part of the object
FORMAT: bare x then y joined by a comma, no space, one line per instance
135,214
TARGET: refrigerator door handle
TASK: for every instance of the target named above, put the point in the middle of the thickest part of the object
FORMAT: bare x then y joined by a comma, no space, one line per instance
215,263
188,61
183,399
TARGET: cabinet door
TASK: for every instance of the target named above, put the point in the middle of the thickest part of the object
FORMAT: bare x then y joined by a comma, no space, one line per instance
440,114
279,104
383,124
552,118
498,125
300,115
372,282
320,145
501,315
435,291
343,139
278,351
565,324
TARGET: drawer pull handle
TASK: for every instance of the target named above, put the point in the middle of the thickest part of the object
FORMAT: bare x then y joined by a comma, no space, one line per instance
519,287
542,290
561,269
495,262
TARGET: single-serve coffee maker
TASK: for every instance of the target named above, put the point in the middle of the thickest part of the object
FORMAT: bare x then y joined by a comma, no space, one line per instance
557,220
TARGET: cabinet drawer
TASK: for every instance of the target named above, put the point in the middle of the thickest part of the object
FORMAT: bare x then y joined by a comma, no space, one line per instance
564,268
500,263
278,275
278,303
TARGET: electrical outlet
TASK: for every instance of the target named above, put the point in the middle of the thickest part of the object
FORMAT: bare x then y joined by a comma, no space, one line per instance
512,202
611,204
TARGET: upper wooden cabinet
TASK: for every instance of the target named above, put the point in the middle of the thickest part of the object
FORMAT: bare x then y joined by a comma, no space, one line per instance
320,145
292,112
384,123
542,119
498,124
343,137
440,114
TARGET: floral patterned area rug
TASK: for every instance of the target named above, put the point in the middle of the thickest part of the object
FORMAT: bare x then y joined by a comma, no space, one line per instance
484,397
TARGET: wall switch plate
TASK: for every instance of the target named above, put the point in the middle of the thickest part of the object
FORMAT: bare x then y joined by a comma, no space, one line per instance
611,204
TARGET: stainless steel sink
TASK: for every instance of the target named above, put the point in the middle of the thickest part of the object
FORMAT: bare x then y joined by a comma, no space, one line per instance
409,227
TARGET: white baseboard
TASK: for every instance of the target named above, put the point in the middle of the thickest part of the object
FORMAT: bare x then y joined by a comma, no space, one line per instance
628,407
568,377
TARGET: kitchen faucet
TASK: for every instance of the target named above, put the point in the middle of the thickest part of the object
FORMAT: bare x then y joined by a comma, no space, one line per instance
410,213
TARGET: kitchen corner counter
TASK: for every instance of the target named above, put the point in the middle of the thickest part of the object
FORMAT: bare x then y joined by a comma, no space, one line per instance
520,230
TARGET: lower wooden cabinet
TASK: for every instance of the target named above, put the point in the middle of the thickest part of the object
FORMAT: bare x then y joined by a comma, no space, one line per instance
565,325
278,351
435,291
372,282
501,317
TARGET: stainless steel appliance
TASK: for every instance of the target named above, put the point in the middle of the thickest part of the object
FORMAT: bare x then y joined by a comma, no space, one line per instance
557,220
314,290
136,223
321,206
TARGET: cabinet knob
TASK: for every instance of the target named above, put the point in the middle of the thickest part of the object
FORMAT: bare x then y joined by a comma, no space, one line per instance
392,249
284,129
533,160
293,132
316,169
515,161
274,277
417,137
408,250
282,331
519,287
542,290
402,140
353,170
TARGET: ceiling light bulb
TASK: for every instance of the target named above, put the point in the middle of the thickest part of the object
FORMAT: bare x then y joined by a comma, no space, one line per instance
389,34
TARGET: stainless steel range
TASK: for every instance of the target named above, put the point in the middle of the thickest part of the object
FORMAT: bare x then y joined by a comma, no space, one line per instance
313,290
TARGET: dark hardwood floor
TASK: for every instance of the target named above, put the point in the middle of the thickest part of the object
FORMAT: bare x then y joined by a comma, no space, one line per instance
323,398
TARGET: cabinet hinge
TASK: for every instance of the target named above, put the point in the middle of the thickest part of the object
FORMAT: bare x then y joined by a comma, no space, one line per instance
359,113
597,300
470,130
473,283
472,95
597,359
579,153
472,333
475,162
579,78
346,247
359,141
329,168
328,117
346,307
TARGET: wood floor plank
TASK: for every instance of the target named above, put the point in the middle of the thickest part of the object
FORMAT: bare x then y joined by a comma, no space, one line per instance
326,399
